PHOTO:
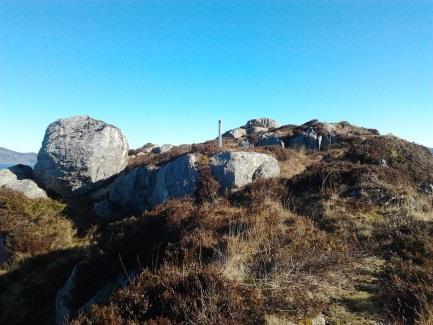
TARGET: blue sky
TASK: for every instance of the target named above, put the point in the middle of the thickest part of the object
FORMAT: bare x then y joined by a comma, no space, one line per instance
166,71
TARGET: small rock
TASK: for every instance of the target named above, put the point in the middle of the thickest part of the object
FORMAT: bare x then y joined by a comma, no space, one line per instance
427,188
318,320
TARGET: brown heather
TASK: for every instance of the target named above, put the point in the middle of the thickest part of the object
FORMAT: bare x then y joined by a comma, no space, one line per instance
345,232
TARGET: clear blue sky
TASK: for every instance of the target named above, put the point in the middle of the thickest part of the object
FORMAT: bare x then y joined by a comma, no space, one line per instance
166,71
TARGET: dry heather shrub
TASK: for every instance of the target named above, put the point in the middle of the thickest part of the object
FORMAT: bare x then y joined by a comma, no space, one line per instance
33,226
158,159
279,253
254,195
406,280
207,187
174,295
409,158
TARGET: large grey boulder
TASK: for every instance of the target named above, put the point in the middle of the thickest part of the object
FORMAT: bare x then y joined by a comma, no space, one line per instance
146,186
236,169
78,153
235,133
18,182
270,139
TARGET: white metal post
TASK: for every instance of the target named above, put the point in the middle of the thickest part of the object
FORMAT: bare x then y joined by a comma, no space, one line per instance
220,138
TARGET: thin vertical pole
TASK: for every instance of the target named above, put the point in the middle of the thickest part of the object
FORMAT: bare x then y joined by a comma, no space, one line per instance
220,138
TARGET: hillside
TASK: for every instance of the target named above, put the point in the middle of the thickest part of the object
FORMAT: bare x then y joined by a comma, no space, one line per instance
338,232
10,157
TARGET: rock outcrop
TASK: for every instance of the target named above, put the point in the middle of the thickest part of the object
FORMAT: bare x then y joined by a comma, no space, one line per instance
146,186
236,169
308,139
263,122
235,133
78,153
162,149
18,178
260,125
270,139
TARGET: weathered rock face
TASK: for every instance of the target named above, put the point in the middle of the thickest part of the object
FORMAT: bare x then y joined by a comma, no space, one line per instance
176,179
309,140
77,153
312,140
162,149
17,182
144,187
236,169
246,144
235,133
263,122
270,139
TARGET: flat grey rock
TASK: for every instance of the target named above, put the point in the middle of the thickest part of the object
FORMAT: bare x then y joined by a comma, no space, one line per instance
236,169
78,153
28,187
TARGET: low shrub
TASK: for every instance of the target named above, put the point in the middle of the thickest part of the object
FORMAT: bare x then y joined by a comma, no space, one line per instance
33,226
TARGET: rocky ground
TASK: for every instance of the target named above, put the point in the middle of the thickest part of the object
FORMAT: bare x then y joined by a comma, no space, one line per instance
322,223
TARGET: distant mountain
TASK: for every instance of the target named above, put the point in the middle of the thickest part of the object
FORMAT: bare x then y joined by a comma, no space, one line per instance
10,157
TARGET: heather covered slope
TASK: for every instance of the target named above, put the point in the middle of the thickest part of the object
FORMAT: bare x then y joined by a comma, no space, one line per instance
343,235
